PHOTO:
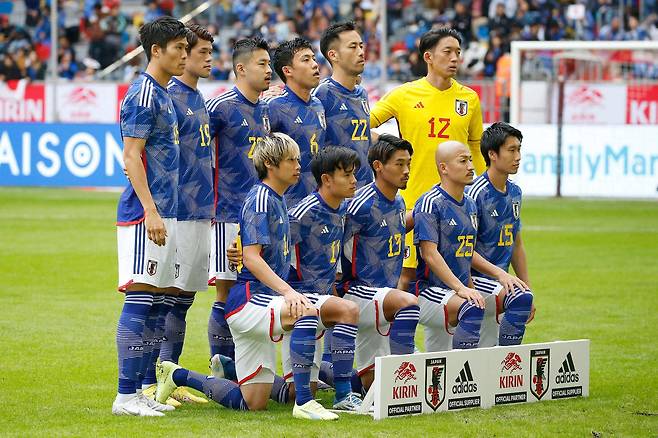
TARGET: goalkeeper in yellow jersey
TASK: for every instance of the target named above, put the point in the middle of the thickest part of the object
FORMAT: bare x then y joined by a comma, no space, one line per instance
430,111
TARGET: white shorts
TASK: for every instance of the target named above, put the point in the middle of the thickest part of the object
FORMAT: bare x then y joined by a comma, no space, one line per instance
256,329
372,337
434,318
192,255
489,289
223,235
142,261
318,301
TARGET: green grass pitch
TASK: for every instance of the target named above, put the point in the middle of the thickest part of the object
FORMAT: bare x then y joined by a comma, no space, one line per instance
594,271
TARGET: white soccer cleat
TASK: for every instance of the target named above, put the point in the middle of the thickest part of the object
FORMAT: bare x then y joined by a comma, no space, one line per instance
216,367
164,372
134,406
312,410
352,402
156,406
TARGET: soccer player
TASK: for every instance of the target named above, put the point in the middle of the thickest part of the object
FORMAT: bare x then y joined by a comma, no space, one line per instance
372,259
295,112
345,102
430,111
195,196
498,202
148,207
445,225
261,306
239,120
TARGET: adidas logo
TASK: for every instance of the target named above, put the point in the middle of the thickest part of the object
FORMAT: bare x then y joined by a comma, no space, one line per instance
244,122
325,230
189,112
567,372
464,382
343,107
298,120
419,105
494,213
383,224
452,222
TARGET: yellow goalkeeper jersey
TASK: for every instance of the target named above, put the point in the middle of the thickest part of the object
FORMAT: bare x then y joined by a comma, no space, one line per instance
427,117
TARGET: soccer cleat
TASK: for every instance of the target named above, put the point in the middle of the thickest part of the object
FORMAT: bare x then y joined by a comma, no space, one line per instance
160,407
323,386
164,373
312,410
351,402
216,367
222,367
182,394
149,393
135,406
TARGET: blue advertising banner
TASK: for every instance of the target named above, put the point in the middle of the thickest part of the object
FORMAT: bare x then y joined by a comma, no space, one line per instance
64,155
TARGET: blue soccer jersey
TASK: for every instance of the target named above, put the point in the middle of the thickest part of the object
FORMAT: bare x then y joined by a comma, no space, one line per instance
237,125
348,121
499,221
305,123
147,112
375,228
316,234
452,225
195,190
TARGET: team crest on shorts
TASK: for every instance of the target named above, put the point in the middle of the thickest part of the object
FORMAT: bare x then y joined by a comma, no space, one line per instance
474,220
266,124
151,267
435,382
516,209
322,119
461,107
539,372
364,105
176,270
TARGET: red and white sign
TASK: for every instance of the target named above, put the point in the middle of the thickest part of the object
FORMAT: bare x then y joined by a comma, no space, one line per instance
594,104
87,103
22,102
642,105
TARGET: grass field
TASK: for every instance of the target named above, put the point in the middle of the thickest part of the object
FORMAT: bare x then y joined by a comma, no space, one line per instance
593,265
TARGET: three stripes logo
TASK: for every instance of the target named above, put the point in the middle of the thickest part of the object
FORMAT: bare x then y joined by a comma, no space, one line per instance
464,382
494,213
452,222
567,372
343,107
419,105
189,112
298,120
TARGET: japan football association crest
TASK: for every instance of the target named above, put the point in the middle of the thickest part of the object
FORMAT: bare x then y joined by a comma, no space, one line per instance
539,372
435,382
365,106
474,220
516,209
461,107
151,267
266,124
322,119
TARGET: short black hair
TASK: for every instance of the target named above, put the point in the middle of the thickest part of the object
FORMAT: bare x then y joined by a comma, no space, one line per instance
332,158
247,46
160,32
331,35
284,54
430,39
495,136
385,147
197,32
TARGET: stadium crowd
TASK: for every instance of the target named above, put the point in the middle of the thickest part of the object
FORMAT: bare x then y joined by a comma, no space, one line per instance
94,33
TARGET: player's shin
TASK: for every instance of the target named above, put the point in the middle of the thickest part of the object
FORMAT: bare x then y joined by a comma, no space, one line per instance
149,336
403,330
302,350
175,328
219,335
512,324
225,392
129,339
280,390
342,356
158,336
326,352
467,333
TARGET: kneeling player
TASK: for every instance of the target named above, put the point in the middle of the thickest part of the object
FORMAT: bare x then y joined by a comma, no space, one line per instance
372,260
499,241
262,306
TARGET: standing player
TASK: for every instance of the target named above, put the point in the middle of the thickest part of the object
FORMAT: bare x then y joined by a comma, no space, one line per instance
499,241
262,306
430,111
239,120
345,102
195,195
372,259
148,206
296,112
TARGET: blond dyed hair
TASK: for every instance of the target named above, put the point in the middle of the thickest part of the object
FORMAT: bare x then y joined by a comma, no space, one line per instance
273,149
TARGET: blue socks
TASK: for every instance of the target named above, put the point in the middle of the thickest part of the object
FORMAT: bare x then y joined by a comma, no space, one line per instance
326,346
342,357
149,334
327,372
158,334
280,390
403,330
224,392
219,335
175,326
467,333
512,325
129,339
302,350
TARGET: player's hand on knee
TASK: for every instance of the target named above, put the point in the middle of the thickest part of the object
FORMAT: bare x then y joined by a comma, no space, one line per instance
296,303
155,228
471,295
532,314
510,282
234,254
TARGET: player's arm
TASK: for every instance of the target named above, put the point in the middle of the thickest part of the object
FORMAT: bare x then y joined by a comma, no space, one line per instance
409,221
253,261
132,159
508,281
384,109
474,136
430,253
